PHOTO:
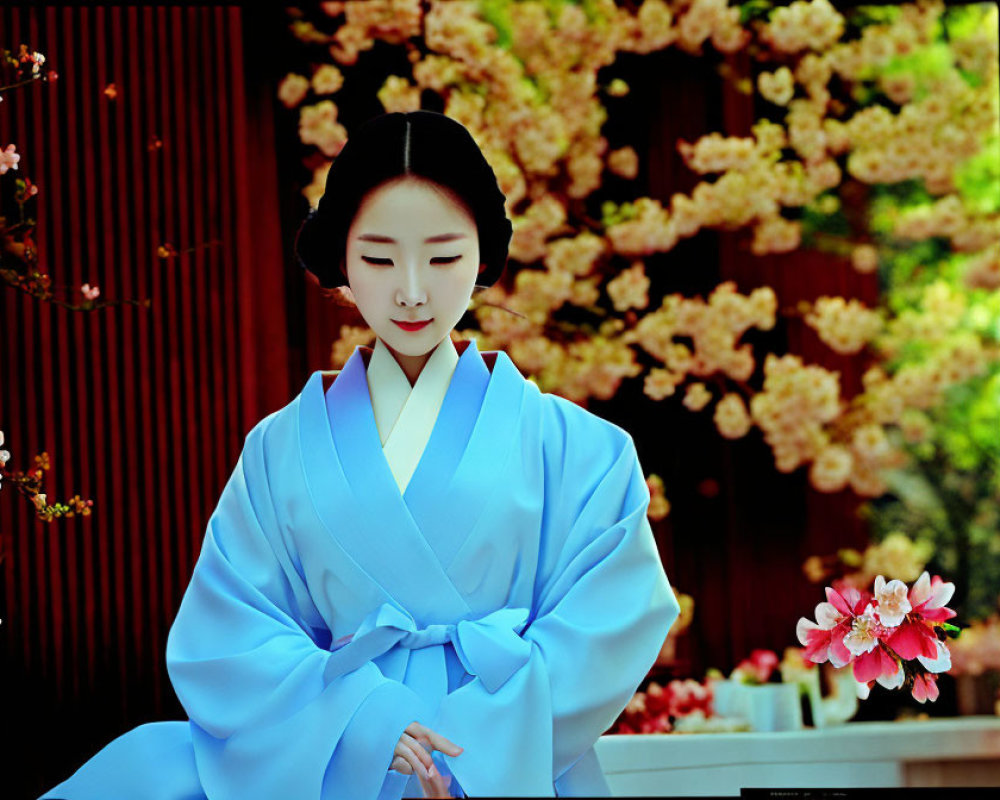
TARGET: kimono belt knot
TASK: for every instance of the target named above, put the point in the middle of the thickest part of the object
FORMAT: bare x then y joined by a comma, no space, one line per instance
489,647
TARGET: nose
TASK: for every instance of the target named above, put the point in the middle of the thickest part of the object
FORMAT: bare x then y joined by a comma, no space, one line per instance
411,292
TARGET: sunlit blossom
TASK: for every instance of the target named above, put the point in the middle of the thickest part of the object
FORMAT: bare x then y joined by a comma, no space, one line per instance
892,601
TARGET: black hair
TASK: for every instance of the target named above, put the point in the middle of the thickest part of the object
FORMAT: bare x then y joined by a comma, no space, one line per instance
424,144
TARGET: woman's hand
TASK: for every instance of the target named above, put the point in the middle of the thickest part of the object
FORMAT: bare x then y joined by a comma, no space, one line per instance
413,754
436,786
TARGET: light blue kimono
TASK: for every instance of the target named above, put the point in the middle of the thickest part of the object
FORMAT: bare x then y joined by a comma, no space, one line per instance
511,599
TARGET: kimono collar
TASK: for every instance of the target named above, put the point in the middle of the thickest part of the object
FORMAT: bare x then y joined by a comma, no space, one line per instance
390,389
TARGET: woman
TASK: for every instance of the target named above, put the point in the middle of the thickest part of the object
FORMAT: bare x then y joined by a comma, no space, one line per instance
424,577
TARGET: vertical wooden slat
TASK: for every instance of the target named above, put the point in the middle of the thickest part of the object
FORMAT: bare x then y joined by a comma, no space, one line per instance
61,229
93,421
246,288
189,431
204,384
215,265
144,558
111,261
117,199
226,211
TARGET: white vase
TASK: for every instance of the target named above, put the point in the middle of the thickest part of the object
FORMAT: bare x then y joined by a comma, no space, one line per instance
729,699
774,707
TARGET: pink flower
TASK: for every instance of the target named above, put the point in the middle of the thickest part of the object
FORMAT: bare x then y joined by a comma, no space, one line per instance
914,637
864,642
687,696
9,158
759,666
941,663
836,619
928,597
893,604
925,687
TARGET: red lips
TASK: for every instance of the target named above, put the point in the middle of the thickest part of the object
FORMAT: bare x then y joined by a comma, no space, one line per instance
412,326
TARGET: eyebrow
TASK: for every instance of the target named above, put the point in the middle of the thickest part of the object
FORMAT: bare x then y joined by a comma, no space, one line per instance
442,237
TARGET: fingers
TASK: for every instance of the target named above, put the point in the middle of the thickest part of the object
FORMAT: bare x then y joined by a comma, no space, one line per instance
435,787
419,751
434,740
415,755
401,765
444,745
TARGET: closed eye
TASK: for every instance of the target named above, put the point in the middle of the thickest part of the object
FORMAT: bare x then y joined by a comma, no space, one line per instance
385,261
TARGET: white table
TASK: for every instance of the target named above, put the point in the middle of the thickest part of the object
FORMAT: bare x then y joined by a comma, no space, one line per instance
962,751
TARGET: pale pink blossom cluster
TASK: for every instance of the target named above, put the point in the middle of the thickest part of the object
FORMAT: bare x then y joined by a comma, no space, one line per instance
697,396
578,254
5,457
778,87
937,317
649,30
715,20
398,94
650,230
545,217
927,139
731,417
624,162
9,158
591,368
864,258
660,382
318,125
714,152
845,326
912,28
922,385
327,79
539,292
293,89
394,21
796,403
659,505
714,327
948,217
629,288
802,25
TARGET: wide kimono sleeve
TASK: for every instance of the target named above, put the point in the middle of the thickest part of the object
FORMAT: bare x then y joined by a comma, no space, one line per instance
603,607
269,717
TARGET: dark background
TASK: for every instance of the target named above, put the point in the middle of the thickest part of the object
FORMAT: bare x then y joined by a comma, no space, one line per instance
144,410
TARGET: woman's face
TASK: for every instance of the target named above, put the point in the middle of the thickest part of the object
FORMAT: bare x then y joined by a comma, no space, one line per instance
412,256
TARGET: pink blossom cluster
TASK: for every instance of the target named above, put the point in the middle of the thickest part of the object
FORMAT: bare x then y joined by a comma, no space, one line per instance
796,402
889,635
656,709
758,667
846,326
948,217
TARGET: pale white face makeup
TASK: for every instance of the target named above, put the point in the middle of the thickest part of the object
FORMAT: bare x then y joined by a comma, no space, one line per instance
412,256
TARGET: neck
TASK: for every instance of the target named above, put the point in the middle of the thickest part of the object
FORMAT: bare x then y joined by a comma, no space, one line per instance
411,365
